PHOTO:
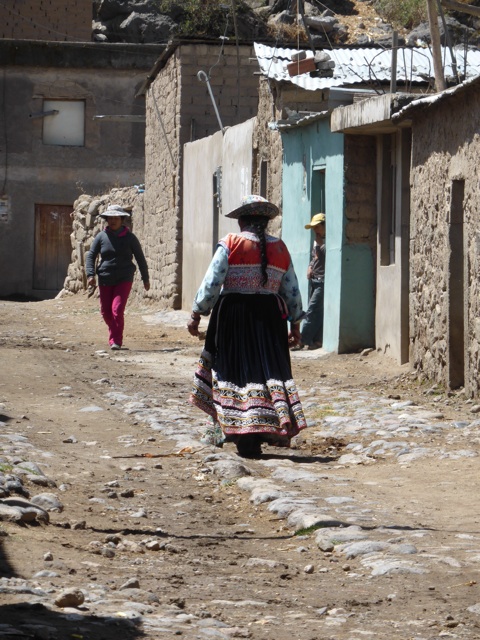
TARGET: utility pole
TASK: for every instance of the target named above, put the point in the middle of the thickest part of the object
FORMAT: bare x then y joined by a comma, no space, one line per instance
436,51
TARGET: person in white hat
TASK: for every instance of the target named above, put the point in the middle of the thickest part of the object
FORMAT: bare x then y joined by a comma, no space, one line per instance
312,326
116,245
244,377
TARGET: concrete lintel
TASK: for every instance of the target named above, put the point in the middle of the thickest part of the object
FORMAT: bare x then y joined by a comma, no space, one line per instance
368,116
119,118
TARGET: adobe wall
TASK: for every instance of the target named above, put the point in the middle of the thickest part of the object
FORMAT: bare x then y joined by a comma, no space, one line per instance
179,110
46,20
267,146
360,190
445,149
235,88
161,219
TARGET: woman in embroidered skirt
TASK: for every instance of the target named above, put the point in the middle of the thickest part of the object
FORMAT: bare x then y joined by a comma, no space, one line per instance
244,376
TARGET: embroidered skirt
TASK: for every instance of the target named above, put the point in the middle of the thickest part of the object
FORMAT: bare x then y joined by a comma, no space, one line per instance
244,376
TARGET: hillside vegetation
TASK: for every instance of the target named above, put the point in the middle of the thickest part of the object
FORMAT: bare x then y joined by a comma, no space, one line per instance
329,22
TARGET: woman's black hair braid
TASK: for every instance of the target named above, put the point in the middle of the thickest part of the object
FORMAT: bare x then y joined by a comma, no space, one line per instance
259,224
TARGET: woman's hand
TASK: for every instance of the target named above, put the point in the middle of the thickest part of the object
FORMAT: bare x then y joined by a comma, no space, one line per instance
193,323
146,285
294,335
91,282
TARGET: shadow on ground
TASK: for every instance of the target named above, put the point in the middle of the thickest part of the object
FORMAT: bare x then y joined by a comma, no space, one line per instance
24,620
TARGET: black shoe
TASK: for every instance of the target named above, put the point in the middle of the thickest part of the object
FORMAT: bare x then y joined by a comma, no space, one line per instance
249,446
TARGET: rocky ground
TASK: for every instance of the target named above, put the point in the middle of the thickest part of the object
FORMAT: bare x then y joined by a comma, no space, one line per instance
330,23
117,522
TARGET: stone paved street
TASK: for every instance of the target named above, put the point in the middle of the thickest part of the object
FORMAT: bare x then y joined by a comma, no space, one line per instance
116,520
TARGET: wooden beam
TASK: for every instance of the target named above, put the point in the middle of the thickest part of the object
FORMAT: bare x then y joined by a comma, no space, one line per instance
114,118
440,84
460,6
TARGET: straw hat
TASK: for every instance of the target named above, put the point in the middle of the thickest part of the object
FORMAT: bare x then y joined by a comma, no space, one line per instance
115,210
253,205
318,218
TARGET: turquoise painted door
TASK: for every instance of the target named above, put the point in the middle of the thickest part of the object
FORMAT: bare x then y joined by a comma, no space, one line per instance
313,181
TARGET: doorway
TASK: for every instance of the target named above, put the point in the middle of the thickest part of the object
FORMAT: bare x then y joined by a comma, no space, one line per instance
456,283
53,247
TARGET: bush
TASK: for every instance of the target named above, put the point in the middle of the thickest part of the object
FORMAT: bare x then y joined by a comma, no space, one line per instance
200,17
403,13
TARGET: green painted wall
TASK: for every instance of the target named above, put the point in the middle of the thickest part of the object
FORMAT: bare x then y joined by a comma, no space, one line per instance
357,316
349,279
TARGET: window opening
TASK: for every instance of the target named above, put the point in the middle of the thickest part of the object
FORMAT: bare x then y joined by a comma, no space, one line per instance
67,126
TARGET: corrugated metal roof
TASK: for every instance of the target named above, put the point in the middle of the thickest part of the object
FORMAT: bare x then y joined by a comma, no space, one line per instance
354,66
431,100
301,119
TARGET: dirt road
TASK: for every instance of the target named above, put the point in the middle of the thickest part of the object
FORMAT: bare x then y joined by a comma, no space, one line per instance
369,528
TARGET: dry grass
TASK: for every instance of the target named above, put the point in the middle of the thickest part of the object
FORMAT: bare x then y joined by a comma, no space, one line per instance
288,33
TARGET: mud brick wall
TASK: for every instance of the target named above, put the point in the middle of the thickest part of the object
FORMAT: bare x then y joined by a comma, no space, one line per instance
179,110
46,20
360,190
235,88
162,219
267,147
445,150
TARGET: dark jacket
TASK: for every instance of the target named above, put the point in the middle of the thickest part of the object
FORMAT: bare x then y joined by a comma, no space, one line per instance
317,263
116,252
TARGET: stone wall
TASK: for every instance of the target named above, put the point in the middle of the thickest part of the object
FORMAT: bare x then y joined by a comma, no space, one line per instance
86,223
445,150
46,20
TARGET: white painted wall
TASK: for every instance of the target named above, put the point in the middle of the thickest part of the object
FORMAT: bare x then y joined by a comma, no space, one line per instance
391,311
233,152
237,160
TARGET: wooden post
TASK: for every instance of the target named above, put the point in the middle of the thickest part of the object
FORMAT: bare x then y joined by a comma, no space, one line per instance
393,78
234,12
436,51
464,8
448,41
301,8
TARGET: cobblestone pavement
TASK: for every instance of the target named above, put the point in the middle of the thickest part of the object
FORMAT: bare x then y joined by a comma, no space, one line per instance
116,520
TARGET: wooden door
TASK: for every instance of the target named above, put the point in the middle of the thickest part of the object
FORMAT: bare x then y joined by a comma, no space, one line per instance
53,247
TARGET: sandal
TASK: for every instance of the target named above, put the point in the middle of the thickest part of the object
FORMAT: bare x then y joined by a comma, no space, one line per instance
297,347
